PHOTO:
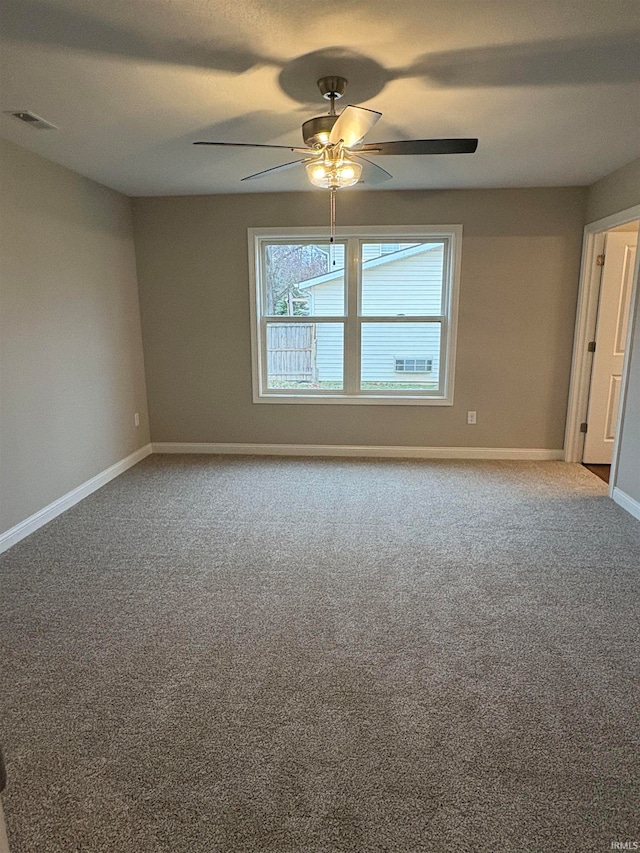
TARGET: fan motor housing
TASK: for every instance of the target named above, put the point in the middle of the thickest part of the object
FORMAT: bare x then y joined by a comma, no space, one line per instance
316,130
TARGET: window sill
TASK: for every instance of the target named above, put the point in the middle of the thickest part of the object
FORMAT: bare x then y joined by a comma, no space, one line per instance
359,400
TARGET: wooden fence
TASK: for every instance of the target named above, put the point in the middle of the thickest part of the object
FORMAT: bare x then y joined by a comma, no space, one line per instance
291,352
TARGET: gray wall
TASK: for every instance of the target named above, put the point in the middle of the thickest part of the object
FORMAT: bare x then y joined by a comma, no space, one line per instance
72,372
520,267
619,191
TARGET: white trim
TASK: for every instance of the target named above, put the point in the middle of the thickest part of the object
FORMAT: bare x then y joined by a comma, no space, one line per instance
586,315
615,219
626,368
319,232
327,397
48,513
450,325
379,451
631,505
585,330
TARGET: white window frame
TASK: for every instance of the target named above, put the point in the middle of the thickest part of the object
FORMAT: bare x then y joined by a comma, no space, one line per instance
352,318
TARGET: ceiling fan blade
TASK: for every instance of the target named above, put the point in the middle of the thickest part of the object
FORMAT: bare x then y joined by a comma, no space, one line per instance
421,146
255,145
371,173
275,169
352,124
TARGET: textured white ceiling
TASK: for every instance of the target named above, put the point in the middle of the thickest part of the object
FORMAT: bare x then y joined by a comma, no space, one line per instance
550,87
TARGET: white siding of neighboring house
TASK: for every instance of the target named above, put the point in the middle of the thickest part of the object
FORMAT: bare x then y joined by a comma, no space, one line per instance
411,285
330,347
328,300
375,250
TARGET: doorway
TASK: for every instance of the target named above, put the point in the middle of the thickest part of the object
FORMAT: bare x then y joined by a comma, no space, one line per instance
608,289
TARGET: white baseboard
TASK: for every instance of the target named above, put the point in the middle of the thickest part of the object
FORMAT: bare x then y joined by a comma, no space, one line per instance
630,504
43,516
40,518
380,451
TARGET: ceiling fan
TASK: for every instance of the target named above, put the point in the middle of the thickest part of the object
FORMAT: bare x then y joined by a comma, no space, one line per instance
335,149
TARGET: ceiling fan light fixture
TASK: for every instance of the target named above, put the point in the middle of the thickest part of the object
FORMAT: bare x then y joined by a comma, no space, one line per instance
332,140
334,174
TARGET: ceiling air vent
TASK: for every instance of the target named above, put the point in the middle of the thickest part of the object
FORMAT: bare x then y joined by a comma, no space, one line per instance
32,119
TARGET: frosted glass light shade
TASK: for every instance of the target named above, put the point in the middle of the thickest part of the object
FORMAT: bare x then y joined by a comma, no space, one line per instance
329,174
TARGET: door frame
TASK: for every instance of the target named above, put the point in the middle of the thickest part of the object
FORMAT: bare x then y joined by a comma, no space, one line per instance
585,329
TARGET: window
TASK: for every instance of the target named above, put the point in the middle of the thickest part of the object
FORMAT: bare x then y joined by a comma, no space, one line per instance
414,365
370,318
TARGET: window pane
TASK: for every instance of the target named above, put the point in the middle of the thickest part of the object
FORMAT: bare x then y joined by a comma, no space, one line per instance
401,278
305,355
400,357
303,279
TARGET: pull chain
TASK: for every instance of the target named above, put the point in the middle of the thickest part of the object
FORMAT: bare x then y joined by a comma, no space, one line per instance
332,213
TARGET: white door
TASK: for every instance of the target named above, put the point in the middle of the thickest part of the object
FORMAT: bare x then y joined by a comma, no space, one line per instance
611,336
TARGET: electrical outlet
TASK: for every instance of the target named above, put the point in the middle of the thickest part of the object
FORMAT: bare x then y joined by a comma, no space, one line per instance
471,417
136,419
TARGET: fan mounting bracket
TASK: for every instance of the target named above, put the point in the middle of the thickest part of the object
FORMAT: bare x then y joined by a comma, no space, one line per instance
332,88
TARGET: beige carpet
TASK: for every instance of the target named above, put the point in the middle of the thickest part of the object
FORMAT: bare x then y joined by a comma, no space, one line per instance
237,654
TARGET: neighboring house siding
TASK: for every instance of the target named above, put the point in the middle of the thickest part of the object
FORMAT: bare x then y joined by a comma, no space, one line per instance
381,347
411,285
330,346
328,300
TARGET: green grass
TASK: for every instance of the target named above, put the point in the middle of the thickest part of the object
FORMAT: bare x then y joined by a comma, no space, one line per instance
366,386
399,386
